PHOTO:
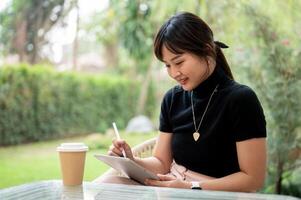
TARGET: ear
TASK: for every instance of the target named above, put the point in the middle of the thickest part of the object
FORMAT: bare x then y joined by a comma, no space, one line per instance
210,62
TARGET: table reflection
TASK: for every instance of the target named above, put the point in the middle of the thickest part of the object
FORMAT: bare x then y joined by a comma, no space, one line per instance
54,189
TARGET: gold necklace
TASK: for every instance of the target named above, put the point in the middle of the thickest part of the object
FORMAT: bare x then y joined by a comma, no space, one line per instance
196,134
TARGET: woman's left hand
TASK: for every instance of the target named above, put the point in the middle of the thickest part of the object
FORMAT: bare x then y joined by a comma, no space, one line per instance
167,181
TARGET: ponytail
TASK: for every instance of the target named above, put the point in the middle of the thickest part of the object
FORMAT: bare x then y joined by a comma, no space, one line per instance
221,59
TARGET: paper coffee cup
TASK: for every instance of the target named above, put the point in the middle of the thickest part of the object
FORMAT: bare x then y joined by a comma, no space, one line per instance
72,159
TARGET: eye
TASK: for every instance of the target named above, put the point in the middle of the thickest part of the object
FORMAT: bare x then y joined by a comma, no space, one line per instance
178,63
168,66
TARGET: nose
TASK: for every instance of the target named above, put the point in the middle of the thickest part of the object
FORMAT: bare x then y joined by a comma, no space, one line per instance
174,72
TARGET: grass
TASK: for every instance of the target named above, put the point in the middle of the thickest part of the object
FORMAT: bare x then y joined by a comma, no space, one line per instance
39,161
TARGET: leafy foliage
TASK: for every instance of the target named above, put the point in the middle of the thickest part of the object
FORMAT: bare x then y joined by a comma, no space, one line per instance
38,103
26,23
277,78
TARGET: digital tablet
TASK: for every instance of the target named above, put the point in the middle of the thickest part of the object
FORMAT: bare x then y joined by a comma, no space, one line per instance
128,167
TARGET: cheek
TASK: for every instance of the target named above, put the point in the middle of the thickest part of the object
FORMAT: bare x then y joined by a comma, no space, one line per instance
199,68
168,71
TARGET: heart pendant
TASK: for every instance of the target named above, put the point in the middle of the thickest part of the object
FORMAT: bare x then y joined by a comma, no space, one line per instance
196,136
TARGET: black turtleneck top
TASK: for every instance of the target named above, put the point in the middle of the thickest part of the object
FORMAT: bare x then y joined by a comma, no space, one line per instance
234,114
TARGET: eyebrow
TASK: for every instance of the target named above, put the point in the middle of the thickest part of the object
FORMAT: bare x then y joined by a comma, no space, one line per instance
177,56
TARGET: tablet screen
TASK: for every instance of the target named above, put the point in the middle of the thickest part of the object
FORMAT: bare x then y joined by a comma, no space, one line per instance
128,167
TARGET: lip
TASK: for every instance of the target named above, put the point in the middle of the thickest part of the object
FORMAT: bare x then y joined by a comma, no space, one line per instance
183,81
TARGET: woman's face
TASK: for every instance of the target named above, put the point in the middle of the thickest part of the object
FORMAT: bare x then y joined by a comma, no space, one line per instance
187,69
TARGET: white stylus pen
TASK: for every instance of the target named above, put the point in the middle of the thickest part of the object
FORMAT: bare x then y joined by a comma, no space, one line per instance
118,137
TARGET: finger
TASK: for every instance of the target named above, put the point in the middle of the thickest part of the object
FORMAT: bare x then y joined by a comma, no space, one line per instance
115,142
119,143
128,150
115,150
122,145
166,177
152,182
111,153
111,147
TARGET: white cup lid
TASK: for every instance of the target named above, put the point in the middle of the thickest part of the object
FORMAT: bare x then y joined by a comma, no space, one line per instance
72,147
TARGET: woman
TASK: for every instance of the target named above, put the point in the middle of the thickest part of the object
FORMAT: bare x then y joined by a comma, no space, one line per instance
212,129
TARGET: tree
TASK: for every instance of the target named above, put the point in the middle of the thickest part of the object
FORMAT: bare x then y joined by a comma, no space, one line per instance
26,23
128,24
105,29
75,42
139,22
278,80
129,27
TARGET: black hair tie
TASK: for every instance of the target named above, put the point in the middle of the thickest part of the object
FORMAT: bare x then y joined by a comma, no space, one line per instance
221,44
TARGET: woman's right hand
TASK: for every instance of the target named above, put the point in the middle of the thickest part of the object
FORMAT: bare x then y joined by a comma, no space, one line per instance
117,147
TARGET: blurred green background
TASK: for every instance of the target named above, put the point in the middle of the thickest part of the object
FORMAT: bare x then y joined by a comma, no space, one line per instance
68,68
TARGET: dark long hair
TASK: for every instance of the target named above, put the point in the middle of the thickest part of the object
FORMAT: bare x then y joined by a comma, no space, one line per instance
186,32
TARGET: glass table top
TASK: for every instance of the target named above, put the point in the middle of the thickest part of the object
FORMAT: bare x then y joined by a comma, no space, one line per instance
54,189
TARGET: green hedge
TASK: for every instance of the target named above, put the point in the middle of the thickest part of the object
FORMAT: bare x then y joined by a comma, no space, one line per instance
37,103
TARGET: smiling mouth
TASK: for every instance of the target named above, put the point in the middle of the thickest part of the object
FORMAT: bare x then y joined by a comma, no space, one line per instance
183,81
